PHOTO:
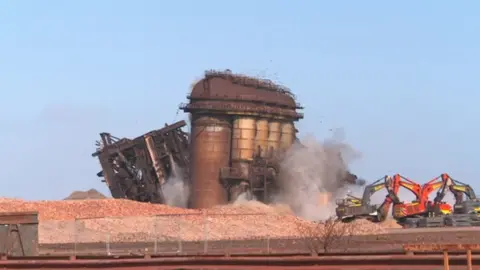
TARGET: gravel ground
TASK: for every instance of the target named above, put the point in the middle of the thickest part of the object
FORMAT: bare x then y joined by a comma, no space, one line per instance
108,220
124,227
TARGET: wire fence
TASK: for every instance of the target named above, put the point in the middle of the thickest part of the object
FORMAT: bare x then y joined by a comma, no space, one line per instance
172,234
219,234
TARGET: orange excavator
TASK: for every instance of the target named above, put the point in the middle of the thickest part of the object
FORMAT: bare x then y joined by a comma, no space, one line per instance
423,212
404,210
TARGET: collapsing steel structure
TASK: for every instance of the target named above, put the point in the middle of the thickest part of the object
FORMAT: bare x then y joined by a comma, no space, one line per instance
239,123
240,129
137,168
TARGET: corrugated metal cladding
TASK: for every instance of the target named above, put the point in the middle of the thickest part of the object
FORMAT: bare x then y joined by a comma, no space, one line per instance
243,143
261,138
274,134
288,135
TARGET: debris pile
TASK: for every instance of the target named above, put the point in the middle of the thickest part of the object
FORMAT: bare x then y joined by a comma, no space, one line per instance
9,200
391,223
118,220
84,209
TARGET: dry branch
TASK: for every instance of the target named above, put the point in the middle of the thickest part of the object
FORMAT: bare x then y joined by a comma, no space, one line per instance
324,235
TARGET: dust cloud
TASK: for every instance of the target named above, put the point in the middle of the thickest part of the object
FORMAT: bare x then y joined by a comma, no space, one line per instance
176,190
311,167
243,198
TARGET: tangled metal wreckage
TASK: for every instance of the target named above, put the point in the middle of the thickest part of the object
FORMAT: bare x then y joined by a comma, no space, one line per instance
137,168
241,127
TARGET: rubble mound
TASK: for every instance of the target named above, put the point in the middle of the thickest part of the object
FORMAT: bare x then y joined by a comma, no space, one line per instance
84,221
10,200
390,223
240,207
91,194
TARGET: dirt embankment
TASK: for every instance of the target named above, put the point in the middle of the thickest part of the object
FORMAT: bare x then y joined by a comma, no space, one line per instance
117,220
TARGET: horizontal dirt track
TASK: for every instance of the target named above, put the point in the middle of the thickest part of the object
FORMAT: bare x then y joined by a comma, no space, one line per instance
393,262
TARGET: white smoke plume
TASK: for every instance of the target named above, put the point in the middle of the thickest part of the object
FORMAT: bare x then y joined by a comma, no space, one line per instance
313,167
243,198
176,190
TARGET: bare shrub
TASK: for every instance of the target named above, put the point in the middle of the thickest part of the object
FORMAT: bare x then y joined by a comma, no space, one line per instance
322,236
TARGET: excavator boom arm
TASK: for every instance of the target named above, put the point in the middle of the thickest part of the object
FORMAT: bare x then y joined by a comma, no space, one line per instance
392,187
372,189
353,207
456,187
459,189
442,183
400,181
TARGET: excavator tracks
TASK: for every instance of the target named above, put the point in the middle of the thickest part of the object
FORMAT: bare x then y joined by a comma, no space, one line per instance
455,220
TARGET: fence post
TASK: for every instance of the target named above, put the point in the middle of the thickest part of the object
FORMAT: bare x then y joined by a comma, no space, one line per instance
228,250
268,244
179,238
268,234
155,241
205,239
446,265
108,244
469,259
75,231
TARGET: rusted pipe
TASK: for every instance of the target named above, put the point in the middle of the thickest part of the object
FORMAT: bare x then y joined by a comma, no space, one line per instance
155,159
469,259
446,265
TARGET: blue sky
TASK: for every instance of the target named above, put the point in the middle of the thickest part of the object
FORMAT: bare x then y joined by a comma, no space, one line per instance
397,78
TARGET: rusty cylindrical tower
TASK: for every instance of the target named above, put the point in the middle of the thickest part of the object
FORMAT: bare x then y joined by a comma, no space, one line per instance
210,150
234,117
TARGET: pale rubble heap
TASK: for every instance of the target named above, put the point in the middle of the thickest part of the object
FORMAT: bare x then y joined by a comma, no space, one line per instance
86,195
8,200
129,221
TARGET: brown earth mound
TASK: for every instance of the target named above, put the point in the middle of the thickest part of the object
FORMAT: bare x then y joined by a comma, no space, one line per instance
85,195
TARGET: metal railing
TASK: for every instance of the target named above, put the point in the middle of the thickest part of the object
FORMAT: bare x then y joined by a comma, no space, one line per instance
446,249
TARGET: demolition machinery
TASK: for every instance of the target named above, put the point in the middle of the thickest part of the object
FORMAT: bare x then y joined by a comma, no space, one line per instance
421,212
